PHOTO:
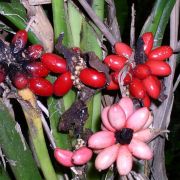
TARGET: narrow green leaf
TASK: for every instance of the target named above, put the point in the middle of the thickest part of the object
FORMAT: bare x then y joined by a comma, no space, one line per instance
3,174
153,20
163,22
16,152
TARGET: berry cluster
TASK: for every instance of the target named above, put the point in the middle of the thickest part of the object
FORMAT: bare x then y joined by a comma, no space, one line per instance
124,135
144,78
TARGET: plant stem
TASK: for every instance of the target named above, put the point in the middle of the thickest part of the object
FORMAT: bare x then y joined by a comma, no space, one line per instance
33,118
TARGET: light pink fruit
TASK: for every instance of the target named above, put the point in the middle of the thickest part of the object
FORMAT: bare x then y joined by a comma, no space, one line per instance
140,149
81,156
144,135
103,128
149,121
105,121
127,106
106,157
138,119
97,151
101,139
64,157
117,117
124,161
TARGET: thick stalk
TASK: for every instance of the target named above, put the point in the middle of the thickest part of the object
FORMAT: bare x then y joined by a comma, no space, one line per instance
33,118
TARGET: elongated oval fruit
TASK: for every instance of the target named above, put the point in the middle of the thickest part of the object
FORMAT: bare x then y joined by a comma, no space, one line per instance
64,157
138,119
62,84
145,135
103,128
37,69
112,85
117,116
140,149
35,51
101,139
124,161
115,62
40,86
127,106
19,40
81,156
161,53
148,41
142,71
105,120
152,86
92,78
54,63
123,49
106,157
137,89
146,102
127,80
159,68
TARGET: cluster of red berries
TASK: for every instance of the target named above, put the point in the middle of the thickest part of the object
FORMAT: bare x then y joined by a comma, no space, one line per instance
143,79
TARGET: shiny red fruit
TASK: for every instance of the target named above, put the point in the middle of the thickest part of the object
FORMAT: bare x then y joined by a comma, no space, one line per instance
37,69
40,86
148,41
123,49
161,53
54,63
92,78
159,68
115,62
19,40
35,51
112,85
137,89
142,71
146,101
62,84
152,86
20,80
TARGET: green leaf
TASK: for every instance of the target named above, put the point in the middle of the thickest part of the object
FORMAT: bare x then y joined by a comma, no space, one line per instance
3,174
16,152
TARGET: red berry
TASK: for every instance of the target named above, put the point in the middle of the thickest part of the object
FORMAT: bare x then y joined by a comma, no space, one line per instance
161,53
76,49
148,41
112,85
40,86
19,40
123,49
35,51
37,69
115,62
63,84
20,80
64,157
54,63
142,71
152,86
159,68
146,101
92,78
137,89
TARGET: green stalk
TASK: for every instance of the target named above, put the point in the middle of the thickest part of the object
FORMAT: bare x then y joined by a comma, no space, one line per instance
89,43
153,20
15,150
33,118
163,22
